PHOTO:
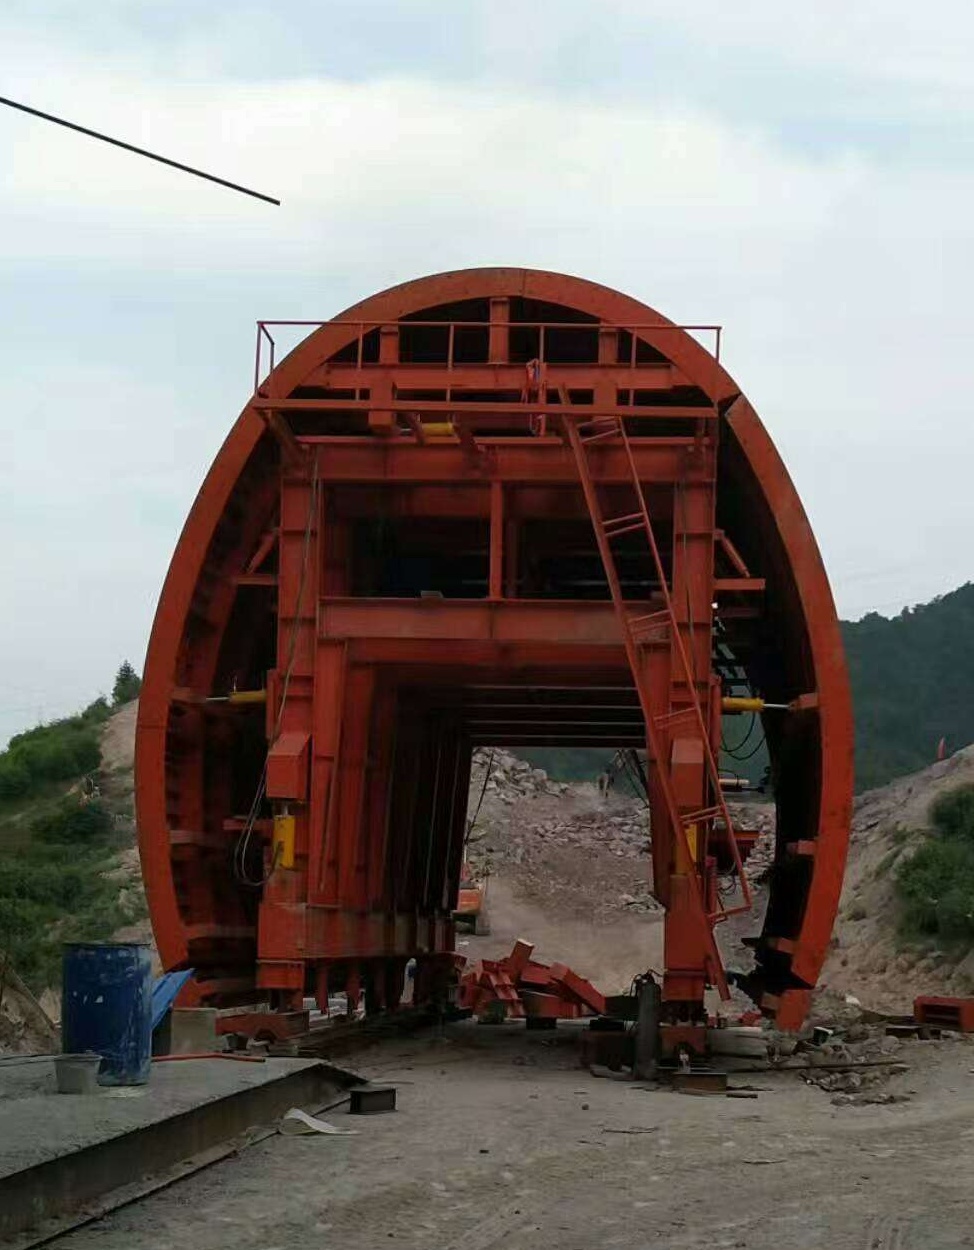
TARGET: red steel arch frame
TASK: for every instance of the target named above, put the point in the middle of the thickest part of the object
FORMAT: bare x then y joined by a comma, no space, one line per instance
287,936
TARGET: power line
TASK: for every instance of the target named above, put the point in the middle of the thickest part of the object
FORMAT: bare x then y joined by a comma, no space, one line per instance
130,147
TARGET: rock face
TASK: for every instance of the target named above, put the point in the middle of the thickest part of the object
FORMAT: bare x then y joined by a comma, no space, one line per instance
868,958
509,777
559,838
757,866
562,844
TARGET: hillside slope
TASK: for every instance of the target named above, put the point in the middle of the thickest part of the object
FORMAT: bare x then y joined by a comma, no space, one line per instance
69,870
912,680
868,958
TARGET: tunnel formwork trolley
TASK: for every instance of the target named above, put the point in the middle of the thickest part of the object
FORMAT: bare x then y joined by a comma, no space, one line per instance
493,507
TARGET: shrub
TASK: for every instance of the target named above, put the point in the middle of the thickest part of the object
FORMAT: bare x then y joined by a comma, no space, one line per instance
98,712
53,884
14,777
62,751
54,890
953,814
936,884
936,888
73,823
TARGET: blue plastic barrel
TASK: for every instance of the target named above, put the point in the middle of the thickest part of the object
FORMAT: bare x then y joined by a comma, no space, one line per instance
106,1007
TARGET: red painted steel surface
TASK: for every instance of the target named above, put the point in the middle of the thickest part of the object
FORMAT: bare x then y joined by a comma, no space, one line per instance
394,543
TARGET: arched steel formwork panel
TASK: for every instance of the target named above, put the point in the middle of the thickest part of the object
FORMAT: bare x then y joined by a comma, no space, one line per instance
423,397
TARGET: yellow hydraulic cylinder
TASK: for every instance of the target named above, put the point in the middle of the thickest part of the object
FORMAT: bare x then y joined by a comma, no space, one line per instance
247,696
731,704
284,840
439,429
239,696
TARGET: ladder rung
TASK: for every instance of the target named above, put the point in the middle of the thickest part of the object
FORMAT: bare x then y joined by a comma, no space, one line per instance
668,718
614,521
698,817
653,626
661,615
623,529
599,429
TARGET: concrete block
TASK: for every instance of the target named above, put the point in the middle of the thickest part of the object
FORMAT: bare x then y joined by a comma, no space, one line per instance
194,1031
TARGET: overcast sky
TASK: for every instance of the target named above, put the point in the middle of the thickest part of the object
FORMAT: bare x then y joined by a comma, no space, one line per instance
803,175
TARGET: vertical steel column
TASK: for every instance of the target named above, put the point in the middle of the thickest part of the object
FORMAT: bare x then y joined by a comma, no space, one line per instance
686,954
379,793
280,928
495,579
329,701
352,848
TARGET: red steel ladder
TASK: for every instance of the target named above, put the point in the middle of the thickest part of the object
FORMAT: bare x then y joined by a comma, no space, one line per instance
639,629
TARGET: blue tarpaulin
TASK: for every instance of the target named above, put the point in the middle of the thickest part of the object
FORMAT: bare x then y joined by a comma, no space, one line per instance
164,993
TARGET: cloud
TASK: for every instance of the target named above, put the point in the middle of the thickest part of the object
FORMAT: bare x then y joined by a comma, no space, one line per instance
352,159
841,275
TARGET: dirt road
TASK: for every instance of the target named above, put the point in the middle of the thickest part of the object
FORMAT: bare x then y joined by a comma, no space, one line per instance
610,954
501,1141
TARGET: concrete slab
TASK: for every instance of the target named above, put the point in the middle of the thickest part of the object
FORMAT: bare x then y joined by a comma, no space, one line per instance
60,1151
501,1142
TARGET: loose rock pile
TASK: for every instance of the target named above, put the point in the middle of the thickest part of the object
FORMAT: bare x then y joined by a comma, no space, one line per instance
758,864
510,778
856,1040
519,825
565,845
625,837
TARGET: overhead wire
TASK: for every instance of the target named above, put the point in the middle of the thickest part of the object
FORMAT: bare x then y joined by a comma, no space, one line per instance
131,147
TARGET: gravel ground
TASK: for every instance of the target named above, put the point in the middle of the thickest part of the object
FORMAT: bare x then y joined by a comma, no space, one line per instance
501,1141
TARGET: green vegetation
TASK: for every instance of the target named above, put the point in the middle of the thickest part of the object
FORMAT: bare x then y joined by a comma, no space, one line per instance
936,885
912,684
54,889
127,685
61,751
57,849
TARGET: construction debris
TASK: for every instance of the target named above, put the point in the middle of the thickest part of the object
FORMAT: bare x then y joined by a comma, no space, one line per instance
518,987
956,1014
297,1123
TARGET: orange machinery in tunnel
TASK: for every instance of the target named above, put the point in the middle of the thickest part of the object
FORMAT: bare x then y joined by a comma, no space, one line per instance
489,507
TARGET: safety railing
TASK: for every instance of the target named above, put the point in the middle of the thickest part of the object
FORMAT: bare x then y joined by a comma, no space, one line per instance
265,351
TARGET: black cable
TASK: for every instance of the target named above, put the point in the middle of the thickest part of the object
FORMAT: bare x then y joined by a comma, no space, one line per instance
634,777
743,742
130,147
483,791
753,751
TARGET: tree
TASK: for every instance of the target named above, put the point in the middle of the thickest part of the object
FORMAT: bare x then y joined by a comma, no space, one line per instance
912,684
127,685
